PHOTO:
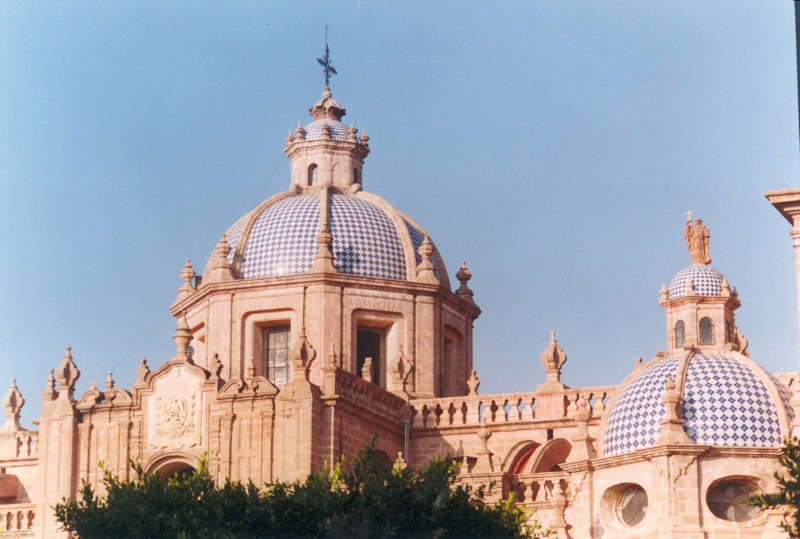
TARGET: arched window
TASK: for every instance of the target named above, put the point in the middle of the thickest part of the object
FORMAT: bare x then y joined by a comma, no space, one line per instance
313,178
706,331
680,334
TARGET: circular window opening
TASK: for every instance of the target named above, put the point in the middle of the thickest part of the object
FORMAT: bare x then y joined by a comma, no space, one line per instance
730,501
632,505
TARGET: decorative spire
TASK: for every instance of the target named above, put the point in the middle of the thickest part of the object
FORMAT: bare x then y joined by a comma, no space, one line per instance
553,358
50,393
663,294
323,262
109,381
67,373
672,424
325,62
463,277
142,371
182,338
425,271
302,354
697,236
220,269
187,274
13,403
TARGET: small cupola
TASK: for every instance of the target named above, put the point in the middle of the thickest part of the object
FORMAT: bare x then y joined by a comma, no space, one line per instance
326,153
700,303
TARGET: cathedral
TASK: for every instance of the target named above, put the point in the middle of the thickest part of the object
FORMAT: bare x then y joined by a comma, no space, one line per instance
325,316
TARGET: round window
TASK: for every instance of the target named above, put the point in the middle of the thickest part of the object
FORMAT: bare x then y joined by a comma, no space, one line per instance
730,501
632,505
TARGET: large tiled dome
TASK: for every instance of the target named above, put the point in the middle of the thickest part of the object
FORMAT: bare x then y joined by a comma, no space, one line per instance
707,281
727,401
370,238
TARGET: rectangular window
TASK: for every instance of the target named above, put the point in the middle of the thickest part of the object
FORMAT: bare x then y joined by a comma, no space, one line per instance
276,352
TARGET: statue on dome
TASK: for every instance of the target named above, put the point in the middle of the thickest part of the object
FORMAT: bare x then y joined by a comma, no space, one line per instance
696,236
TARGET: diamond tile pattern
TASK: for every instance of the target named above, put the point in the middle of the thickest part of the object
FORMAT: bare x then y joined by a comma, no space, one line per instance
707,281
634,420
337,129
283,239
233,238
365,241
725,403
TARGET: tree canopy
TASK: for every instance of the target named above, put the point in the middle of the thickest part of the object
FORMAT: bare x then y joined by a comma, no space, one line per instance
788,488
366,500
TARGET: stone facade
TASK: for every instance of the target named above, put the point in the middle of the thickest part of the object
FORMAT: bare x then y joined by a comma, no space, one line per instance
325,316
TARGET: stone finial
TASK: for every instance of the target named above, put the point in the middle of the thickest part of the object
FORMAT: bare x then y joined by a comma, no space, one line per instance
351,133
725,288
697,236
13,403
302,354
366,369
142,371
187,274
325,132
323,262
425,271
299,133
400,463
109,383
182,338
289,140
463,276
582,446
401,369
689,288
364,139
553,358
220,269
473,384
50,393
663,295
672,424
67,373
638,364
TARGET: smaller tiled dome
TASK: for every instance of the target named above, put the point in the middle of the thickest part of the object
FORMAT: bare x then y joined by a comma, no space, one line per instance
707,281
727,401
337,129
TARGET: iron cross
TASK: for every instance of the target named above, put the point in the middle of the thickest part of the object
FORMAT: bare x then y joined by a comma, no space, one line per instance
325,62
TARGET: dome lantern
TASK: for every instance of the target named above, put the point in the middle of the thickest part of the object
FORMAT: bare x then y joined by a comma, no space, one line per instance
700,303
326,153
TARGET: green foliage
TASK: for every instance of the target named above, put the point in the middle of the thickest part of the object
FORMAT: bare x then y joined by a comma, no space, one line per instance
367,501
788,488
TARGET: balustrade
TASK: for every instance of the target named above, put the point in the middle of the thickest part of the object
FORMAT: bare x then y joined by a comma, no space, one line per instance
16,520
500,408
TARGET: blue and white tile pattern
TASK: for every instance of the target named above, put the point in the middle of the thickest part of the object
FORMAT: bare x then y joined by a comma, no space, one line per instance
365,241
725,404
635,417
283,241
707,281
337,130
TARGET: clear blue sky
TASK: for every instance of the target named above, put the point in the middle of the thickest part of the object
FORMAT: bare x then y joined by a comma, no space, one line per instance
553,145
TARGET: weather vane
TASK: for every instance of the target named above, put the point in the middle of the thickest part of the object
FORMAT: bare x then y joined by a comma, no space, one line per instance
325,61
